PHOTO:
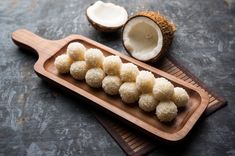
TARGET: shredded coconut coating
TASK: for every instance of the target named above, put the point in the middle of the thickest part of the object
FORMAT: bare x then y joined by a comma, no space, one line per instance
180,97
94,77
129,92
111,85
76,51
112,65
145,81
147,102
163,89
78,70
94,58
128,72
166,111
63,63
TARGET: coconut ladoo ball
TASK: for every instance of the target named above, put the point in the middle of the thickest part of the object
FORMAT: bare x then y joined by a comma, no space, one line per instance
147,102
166,111
63,63
76,51
128,72
163,89
129,92
112,65
94,77
111,84
145,81
94,58
78,70
180,97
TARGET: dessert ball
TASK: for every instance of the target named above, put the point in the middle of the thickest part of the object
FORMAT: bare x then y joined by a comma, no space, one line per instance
129,92
111,84
128,72
94,58
78,70
163,89
147,102
166,111
76,51
63,63
145,81
94,77
180,97
112,65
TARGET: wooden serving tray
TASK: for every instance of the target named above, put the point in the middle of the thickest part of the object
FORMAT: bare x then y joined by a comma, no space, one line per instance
48,50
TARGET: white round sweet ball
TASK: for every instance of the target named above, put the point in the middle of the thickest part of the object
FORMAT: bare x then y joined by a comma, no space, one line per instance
111,84
180,97
147,102
76,51
63,63
94,77
145,81
112,65
128,72
94,58
129,92
163,89
78,70
166,111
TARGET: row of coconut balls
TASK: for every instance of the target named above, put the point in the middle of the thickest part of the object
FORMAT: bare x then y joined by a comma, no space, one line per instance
125,79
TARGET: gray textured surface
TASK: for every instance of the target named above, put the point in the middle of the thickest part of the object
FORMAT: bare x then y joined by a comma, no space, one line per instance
36,119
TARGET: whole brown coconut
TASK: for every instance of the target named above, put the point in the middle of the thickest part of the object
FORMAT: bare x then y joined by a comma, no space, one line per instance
147,36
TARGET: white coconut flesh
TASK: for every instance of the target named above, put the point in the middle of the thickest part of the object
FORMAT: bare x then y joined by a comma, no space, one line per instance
143,38
107,14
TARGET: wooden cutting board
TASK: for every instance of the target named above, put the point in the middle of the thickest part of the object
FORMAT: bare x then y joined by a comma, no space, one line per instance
48,50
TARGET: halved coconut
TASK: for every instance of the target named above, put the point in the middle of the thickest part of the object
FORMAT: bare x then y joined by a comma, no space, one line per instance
106,17
147,36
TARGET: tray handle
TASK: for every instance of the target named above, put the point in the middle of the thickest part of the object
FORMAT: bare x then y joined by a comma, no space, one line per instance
32,42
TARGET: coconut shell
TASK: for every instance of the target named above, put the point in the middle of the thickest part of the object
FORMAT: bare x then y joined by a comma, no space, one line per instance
101,27
167,28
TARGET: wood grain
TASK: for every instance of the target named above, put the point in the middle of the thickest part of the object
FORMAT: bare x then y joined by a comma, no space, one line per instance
48,50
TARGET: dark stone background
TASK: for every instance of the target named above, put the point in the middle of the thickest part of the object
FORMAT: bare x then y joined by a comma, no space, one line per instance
36,119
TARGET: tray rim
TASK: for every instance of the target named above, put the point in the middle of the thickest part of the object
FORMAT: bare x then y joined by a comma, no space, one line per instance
175,136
